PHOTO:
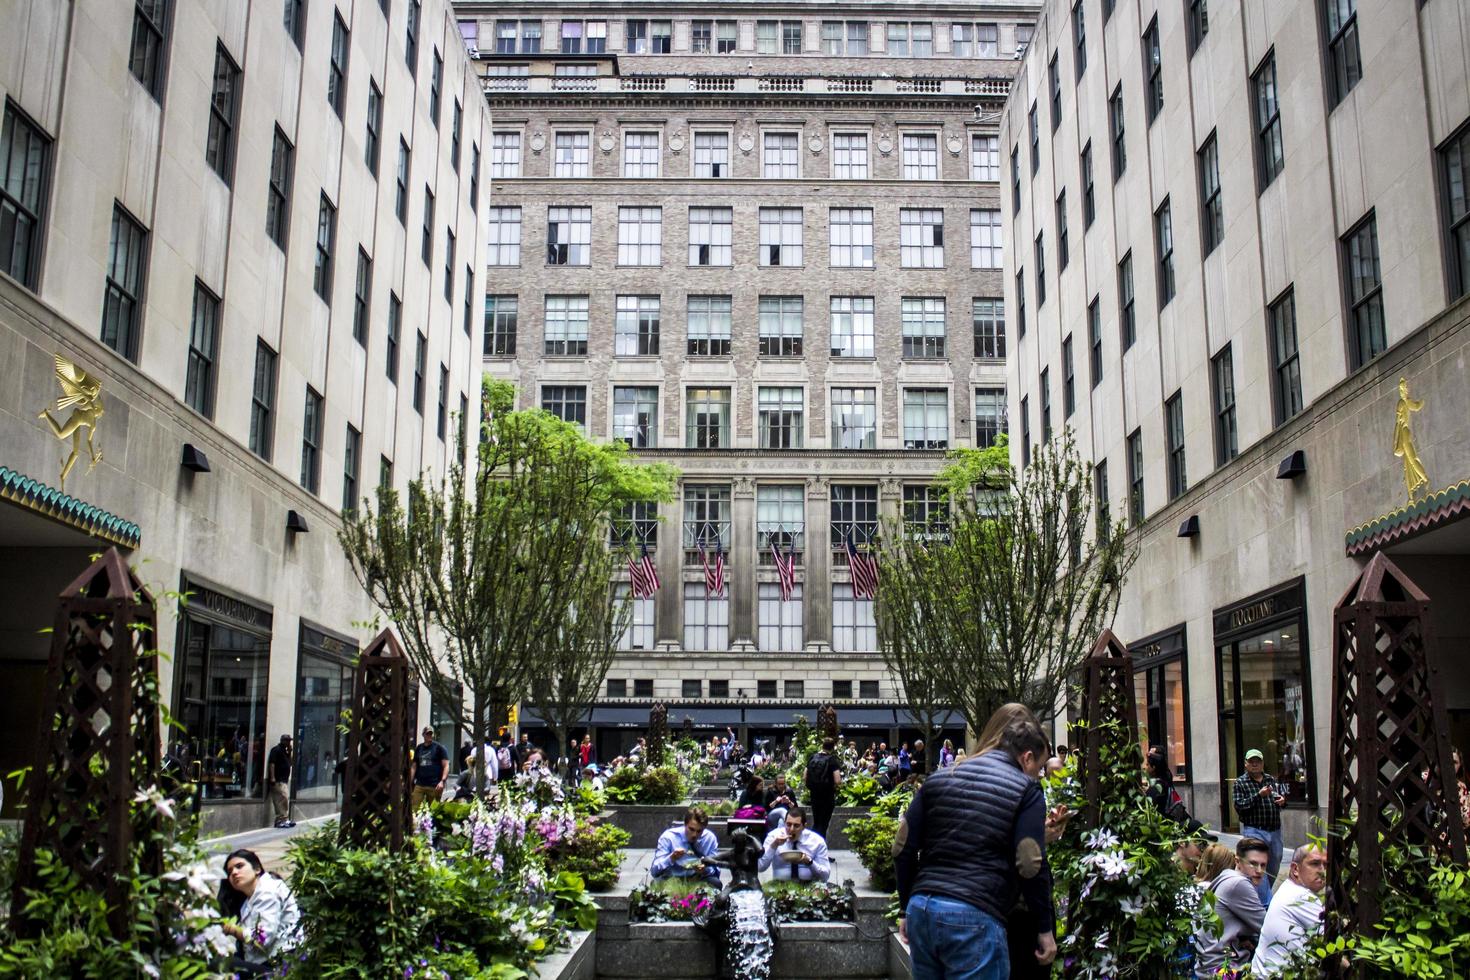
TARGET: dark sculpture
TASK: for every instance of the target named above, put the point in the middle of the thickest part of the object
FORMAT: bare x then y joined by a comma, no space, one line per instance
375,810
658,733
827,721
1107,695
742,859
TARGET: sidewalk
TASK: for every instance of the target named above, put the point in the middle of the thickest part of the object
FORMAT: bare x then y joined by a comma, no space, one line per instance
268,842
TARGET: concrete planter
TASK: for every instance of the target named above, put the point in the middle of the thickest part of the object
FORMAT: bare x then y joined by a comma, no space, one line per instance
805,951
644,823
577,962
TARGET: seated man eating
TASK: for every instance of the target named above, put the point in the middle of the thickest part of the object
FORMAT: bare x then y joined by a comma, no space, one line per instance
681,852
795,839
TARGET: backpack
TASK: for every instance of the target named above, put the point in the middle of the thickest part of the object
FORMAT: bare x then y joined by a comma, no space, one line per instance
502,757
818,778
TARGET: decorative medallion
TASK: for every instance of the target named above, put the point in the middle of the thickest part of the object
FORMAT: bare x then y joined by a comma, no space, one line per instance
746,143
955,144
885,144
814,144
606,142
676,143
538,142
82,393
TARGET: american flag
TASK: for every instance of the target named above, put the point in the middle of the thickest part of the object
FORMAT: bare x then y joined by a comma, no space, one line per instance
785,568
643,574
714,575
864,570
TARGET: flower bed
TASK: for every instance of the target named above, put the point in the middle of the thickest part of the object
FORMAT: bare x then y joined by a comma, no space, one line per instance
674,900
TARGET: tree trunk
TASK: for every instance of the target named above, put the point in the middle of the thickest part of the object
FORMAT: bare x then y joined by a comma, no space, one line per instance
559,738
477,746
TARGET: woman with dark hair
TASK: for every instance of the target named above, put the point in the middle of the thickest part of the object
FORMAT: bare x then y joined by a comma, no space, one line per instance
267,922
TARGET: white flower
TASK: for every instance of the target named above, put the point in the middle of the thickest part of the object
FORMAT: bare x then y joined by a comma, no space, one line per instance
1130,906
1113,865
219,940
162,804
1101,839
197,875
151,970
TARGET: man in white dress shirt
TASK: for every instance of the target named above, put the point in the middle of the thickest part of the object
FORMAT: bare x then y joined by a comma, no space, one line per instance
813,864
1295,913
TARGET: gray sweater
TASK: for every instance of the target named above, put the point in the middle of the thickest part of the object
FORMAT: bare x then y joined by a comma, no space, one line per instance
1241,914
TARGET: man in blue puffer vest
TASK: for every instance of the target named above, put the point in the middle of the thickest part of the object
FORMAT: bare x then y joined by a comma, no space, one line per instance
972,837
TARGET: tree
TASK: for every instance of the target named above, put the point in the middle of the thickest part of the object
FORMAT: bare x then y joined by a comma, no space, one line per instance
480,571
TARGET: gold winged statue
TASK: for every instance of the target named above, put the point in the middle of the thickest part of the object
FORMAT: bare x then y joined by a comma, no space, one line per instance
82,393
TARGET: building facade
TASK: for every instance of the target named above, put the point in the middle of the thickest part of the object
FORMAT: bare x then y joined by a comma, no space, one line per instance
255,226
762,243
1236,227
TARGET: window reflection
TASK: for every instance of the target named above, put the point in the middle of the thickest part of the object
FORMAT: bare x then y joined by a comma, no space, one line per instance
222,708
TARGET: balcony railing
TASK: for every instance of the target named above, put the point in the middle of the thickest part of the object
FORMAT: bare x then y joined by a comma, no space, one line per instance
808,84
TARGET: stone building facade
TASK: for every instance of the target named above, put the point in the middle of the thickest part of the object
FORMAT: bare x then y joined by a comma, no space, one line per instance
1237,227
740,237
256,225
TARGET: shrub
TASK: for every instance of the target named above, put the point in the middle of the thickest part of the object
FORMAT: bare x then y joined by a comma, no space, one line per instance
819,901
595,852
872,837
662,785
858,789
625,785
669,900
589,802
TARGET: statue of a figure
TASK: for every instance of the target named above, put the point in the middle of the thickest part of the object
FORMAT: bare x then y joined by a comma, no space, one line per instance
1403,441
82,393
751,952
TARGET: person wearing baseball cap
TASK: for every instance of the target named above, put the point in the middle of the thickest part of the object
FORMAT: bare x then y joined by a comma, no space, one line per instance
1258,799
278,777
430,770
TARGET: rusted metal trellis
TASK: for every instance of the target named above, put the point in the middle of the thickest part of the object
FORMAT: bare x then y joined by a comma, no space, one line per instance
658,733
98,741
827,721
375,802
1391,766
1107,695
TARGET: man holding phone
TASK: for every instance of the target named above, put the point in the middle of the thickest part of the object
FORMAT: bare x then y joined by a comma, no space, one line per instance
1258,800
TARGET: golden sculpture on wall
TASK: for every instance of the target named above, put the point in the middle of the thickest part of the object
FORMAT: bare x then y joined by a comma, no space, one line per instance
82,393
1403,441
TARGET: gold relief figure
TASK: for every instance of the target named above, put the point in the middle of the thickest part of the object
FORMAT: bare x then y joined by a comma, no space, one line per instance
82,393
1403,441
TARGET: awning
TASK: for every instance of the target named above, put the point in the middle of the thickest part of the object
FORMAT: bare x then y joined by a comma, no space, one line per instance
778,717
864,718
1418,517
949,719
620,717
721,717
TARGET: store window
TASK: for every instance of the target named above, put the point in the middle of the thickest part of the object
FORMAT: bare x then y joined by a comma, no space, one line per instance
323,693
1161,691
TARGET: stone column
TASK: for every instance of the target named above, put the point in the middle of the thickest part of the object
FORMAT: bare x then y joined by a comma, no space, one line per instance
740,565
668,613
890,500
816,588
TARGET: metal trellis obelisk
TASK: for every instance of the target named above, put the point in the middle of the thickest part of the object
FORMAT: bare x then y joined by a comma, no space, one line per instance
98,741
1107,695
375,803
658,733
827,721
1391,764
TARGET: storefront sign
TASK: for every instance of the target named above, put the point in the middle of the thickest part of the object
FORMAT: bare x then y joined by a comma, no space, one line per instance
227,607
1167,643
323,642
1281,601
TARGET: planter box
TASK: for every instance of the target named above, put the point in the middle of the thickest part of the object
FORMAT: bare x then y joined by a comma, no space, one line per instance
805,950
578,962
644,823
900,965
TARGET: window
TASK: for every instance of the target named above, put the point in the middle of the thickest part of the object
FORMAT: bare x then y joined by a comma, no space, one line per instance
1164,242
1344,63
638,635
709,236
400,190
1016,179
436,84
844,37
337,67
1198,15
643,688
913,39
448,265
1365,292
455,127
636,523
780,326
1069,379
854,515
1115,129
852,326
706,619
920,156
925,512
984,158
505,154
691,689
921,238
780,625
1063,252
988,317
640,154
372,142
649,37
1079,35
1040,255
854,418
1094,339
618,688
501,316
923,326
765,689
426,244
474,177
420,368
854,627
385,472
851,236
150,33
411,36
974,40
505,236
1455,161
278,191
925,418
709,326
1135,477
780,236
1021,302
573,155
1270,153
568,236
780,156
780,520
990,416
469,299
122,301
1025,431
713,36
574,32
711,155
293,19
779,417
1045,405
1103,518
635,417
1035,140
1089,199
219,147
778,37
508,33
636,326
1054,83
1174,431
707,418
326,243
706,517
566,402
566,326
199,379
263,402
25,165
395,329
640,236
351,464
985,239
1286,368
1153,71
362,297
1212,214
849,156
311,442
1222,378
718,687
1127,326
841,690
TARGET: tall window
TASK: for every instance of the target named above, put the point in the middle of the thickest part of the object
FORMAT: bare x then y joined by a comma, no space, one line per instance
411,36
293,18
707,418
923,326
573,155
706,517
147,53
639,632
455,132
1222,387
1270,153
122,298
706,619
504,240
780,326
780,623
1040,255
780,518
920,156
854,627
1164,243
984,157
985,239
1045,388
436,84
508,33
1063,251
925,512
420,372
852,326
426,243
780,236
849,156
502,314
925,418
1054,83
1035,131
711,155
1174,433
1212,213
854,418
566,326
635,416
400,188
712,36
1344,63
1286,369
1016,179
326,244
710,236
362,297
1021,302
566,402
1116,132
199,380
219,147
779,413
921,238
337,66
851,235
1104,517
1135,477
568,236
990,416
781,156
1198,15
974,40
351,467
1455,161
263,402
372,140
988,317
25,165
311,442
854,515
575,32
1094,340
1079,38
849,37
915,39
1153,71
1365,291
505,154
1089,198
1069,379
395,332
636,328
1127,323
640,154
709,325
640,236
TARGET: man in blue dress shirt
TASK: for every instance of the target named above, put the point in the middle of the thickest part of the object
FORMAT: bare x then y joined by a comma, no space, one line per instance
678,844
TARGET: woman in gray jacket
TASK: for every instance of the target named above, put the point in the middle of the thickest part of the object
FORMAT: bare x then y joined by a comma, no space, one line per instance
267,921
1240,910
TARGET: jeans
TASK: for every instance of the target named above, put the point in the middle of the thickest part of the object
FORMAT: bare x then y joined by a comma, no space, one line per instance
953,940
1273,838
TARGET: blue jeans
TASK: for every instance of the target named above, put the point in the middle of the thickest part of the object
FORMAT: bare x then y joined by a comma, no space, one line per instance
1273,864
953,940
